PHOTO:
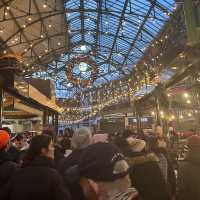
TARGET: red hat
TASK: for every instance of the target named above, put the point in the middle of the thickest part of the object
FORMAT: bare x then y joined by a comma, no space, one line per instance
4,138
194,141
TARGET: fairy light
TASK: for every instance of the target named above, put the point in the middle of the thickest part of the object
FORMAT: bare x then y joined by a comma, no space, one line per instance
188,101
44,5
186,95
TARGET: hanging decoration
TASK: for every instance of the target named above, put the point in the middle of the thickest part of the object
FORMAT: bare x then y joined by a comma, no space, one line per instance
79,81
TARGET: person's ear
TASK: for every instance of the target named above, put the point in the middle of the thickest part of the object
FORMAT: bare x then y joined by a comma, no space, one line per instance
88,190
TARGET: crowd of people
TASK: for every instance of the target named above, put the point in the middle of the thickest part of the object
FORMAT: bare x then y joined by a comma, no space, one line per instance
81,166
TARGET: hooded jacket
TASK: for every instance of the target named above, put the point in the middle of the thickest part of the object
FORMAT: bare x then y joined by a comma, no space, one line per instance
189,177
146,176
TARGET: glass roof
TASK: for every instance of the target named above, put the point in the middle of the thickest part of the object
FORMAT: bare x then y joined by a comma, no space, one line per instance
116,33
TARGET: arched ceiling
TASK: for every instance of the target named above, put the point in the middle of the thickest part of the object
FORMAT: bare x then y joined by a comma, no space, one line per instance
49,33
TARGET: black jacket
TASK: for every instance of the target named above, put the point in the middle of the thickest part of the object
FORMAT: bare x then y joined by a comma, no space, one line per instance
37,181
146,177
189,177
67,163
7,168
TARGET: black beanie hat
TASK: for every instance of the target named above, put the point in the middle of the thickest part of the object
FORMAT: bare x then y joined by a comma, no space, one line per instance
98,160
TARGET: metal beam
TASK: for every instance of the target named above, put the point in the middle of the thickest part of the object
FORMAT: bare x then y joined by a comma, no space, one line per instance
140,30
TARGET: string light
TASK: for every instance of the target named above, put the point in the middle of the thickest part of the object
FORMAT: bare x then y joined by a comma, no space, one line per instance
152,113
44,5
42,36
181,116
49,25
188,101
59,43
29,19
186,95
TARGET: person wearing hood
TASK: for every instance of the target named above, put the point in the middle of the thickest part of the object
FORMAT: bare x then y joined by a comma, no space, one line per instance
189,172
145,173
81,139
37,179
7,167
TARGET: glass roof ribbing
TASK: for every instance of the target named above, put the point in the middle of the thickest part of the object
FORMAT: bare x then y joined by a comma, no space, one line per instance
48,35
117,32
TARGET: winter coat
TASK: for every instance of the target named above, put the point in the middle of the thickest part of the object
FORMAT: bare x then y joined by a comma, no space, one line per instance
146,176
7,168
189,177
67,163
37,181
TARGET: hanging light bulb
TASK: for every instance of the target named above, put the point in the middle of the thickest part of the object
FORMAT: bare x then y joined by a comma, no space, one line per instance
44,5
188,101
29,18
186,95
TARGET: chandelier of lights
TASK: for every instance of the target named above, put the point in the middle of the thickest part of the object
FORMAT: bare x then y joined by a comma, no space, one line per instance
88,61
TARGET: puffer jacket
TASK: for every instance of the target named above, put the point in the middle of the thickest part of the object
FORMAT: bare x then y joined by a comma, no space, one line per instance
146,176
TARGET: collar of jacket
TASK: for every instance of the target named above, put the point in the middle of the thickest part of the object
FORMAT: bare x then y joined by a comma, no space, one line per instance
141,159
42,161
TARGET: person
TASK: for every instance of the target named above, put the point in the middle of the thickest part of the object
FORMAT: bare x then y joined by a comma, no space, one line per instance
161,139
37,179
189,172
81,139
105,176
145,173
18,148
7,167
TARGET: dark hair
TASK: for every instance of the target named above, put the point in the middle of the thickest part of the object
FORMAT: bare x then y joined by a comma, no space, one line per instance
19,137
37,143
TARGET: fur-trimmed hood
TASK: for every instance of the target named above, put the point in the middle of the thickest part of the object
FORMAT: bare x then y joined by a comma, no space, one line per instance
141,159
